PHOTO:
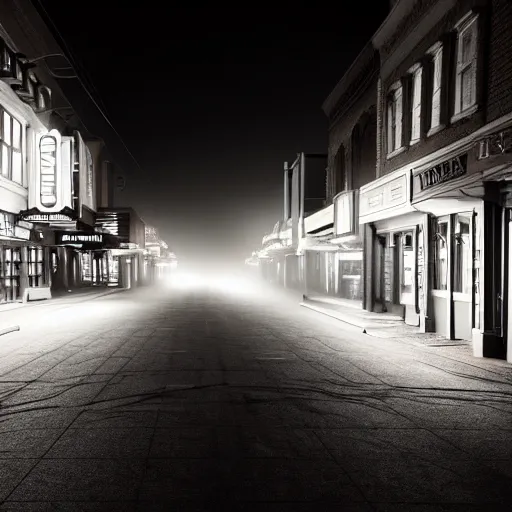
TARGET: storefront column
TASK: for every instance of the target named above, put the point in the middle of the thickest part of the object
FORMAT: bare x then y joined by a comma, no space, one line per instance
24,274
368,274
305,280
488,341
427,320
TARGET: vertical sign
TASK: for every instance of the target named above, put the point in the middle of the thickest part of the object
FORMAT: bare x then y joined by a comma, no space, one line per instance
48,170
90,167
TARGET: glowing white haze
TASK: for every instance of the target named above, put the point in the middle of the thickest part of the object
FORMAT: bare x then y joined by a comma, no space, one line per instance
215,282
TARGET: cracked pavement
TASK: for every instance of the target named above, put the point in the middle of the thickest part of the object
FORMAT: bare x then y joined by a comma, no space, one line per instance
207,399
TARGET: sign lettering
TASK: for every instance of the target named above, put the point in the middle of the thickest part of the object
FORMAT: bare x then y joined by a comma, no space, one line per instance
48,162
47,217
81,238
443,172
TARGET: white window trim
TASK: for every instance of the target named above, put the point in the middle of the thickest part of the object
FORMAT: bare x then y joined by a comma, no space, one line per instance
416,74
468,22
22,148
398,145
436,53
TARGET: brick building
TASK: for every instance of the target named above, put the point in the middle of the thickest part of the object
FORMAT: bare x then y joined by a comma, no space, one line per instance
332,246
437,219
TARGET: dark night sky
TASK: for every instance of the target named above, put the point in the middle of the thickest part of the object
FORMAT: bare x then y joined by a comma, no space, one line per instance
211,102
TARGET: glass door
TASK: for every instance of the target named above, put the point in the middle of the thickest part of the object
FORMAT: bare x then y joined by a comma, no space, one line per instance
407,269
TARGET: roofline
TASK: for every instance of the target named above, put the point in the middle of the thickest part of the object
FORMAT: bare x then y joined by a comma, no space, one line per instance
347,78
398,12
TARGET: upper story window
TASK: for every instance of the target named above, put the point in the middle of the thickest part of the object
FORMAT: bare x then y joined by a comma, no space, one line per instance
416,73
435,86
465,81
394,118
11,160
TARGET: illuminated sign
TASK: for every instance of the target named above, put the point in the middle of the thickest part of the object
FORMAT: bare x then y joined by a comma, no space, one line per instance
81,238
47,217
48,170
90,169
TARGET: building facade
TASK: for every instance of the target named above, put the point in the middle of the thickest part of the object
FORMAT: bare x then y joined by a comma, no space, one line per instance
281,257
24,260
436,220
159,260
128,259
332,242
55,175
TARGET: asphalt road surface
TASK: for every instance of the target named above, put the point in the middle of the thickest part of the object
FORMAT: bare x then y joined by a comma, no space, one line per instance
226,396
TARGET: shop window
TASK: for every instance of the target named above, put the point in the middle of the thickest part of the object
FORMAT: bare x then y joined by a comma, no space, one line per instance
35,267
11,160
10,261
408,268
463,266
465,80
441,255
86,267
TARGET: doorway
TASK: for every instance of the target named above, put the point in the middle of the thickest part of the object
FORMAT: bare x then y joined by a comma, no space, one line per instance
452,291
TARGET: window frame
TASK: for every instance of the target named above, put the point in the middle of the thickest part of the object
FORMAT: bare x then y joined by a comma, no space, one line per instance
470,22
461,271
437,56
11,148
395,130
415,104
443,220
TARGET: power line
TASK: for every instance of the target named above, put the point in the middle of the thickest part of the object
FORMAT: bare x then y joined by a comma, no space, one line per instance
69,57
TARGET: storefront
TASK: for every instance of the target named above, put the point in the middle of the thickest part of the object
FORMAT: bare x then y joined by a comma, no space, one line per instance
492,332
451,193
128,263
82,259
316,253
348,258
24,268
393,240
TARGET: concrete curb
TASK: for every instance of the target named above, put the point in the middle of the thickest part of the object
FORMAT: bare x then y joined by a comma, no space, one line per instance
362,327
7,330
337,316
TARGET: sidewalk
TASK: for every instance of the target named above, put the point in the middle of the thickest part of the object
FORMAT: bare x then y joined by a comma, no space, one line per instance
377,325
11,315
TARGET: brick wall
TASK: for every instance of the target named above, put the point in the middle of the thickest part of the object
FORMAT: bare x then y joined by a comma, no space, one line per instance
500,60
442,31
340,132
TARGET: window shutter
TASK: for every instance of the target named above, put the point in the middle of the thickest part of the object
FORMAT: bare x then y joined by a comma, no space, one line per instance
416,105
465,90
398,117
436,89
390,130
